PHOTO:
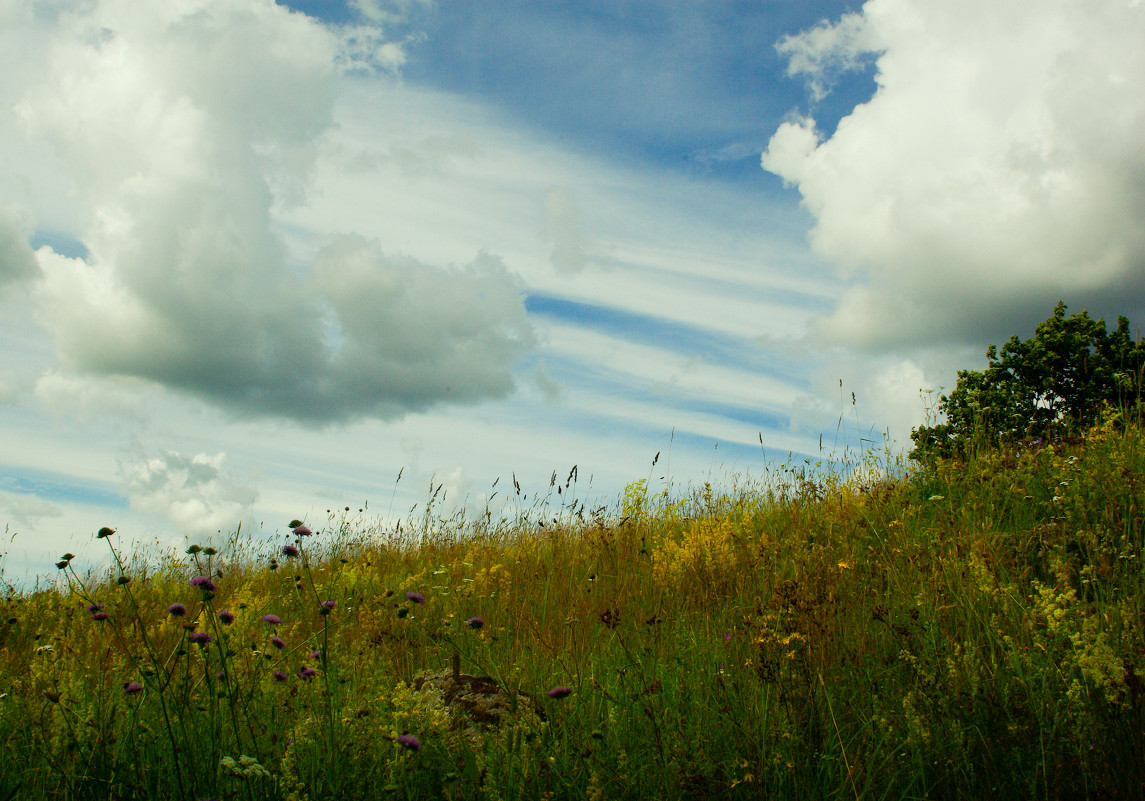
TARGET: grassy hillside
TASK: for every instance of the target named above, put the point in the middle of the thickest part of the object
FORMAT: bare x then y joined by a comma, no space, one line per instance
974,630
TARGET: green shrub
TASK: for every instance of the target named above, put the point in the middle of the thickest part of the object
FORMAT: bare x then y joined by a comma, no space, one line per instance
1054,385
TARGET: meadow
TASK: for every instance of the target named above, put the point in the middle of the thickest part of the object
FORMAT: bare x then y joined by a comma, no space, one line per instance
969,629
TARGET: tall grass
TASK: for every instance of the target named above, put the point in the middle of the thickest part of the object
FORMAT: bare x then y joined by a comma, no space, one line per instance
971,630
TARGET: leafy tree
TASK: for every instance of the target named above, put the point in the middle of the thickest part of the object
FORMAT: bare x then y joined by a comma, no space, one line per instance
1053,385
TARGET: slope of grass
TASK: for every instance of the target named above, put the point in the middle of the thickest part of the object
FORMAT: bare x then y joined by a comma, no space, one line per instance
973,630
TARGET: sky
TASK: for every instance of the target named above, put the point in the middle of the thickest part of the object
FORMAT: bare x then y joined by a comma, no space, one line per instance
262,261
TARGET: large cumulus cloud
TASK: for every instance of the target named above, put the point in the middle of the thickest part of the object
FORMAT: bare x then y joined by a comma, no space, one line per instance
183,127
997,168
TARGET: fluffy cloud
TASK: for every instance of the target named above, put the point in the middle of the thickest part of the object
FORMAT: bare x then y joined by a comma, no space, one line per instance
997,168
194,492
825,52
401,335
184,127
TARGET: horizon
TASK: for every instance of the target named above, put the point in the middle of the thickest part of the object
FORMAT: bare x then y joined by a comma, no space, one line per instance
259,259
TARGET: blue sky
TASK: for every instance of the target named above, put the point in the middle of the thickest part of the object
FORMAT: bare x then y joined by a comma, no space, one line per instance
259,259
661,83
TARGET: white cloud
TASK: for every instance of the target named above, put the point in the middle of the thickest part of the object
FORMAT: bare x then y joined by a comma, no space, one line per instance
195,492
16,260
430,155
90,399
386,12
184,128
407,335
550,390
895,389
997,168
456,486
828,50
564,230
21,510
11,387
368,46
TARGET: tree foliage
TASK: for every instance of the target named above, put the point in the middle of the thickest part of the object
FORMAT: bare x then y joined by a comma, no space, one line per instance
1055,384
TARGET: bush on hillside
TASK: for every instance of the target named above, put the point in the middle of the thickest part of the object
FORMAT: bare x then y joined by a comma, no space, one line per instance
1053,385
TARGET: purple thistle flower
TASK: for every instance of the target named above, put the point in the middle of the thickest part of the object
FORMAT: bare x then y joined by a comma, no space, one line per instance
315,654
132,688
203,583
307,673
177,610
226,617
329,604
278,642
200,637
560,692
410,742
416,597
272,620
289,550
474,622
302,531
94,607
100,616
279,675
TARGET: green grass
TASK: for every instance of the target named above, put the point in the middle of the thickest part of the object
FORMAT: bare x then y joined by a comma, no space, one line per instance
974,630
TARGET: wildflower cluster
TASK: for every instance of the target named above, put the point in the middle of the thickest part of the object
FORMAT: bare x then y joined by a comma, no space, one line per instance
974,628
